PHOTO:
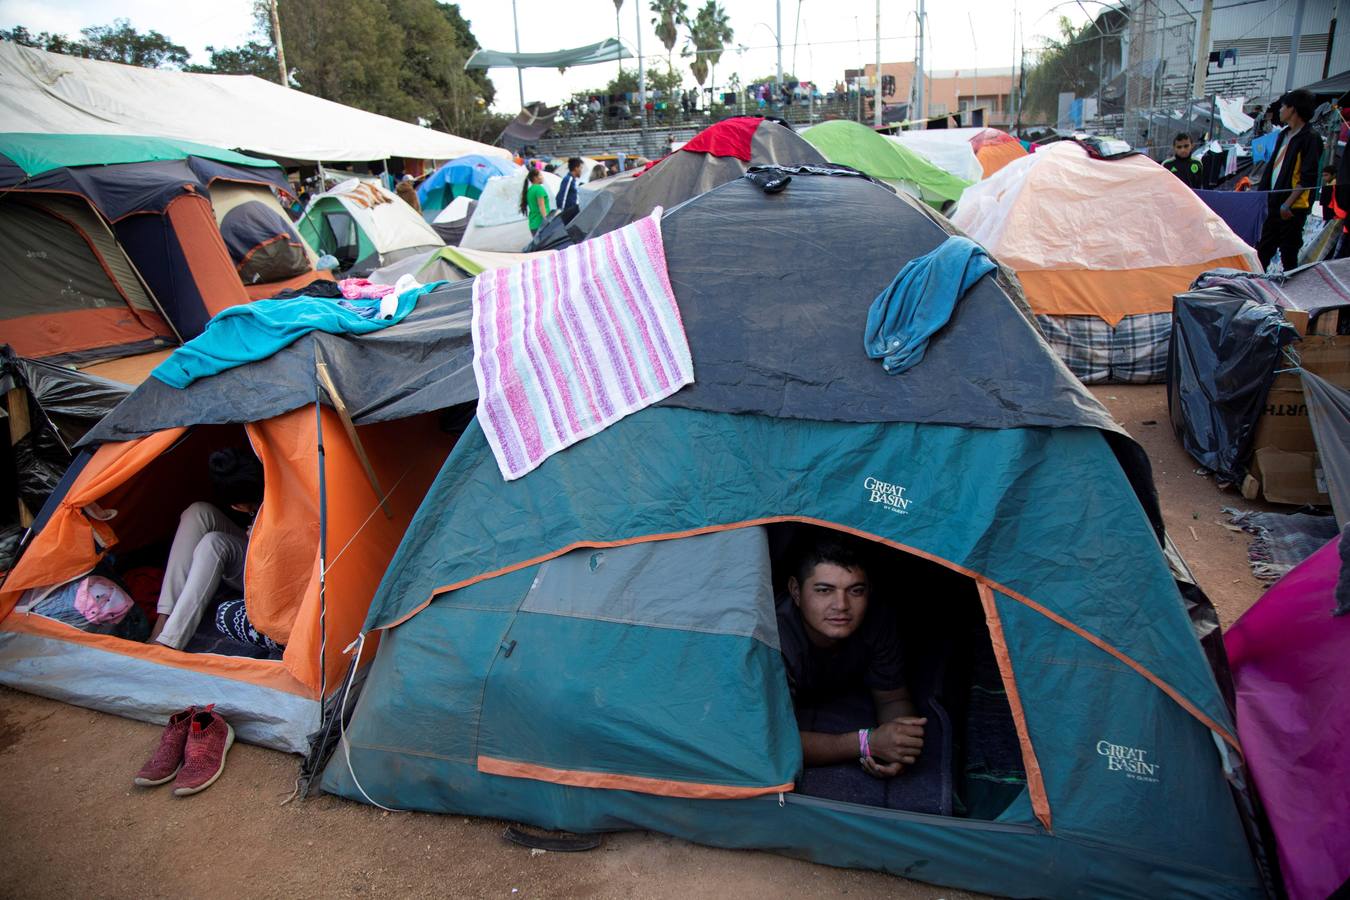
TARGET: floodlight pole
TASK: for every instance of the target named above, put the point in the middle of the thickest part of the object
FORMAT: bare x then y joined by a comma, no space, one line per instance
642,78
921,101
520,76
1294,40
778,39
876,88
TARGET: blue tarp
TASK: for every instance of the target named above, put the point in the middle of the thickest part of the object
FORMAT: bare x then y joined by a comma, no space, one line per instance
1243,211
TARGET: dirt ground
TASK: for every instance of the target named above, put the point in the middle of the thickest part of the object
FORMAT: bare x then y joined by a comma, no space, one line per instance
75,826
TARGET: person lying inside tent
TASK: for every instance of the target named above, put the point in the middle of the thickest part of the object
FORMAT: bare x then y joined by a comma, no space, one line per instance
209,546
858,724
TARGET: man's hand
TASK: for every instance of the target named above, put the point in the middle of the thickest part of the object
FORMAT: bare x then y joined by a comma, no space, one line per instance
898,741
879,769
1286,213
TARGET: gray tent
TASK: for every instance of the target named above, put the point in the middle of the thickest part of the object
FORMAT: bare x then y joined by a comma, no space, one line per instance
686,173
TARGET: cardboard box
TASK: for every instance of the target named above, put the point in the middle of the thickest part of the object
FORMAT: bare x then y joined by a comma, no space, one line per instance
1294,478
1284,455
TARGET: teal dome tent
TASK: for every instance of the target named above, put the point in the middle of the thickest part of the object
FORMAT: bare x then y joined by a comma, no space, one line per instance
593,647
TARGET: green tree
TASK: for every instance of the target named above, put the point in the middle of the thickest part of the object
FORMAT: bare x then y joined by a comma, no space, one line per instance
469,43
253,58
118,42
709,33
1071,63
670,15
43,40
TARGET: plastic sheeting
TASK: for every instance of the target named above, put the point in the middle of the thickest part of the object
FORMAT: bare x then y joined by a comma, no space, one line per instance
608,50
63,404
1224,353
946,149
57,94
1329,413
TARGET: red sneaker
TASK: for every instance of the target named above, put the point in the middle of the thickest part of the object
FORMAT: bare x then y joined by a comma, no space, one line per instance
168,756
208,740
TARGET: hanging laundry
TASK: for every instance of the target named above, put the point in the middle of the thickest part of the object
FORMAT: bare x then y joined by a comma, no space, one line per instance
570,343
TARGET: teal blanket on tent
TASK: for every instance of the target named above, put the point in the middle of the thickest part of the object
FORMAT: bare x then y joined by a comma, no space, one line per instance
920,300
254,331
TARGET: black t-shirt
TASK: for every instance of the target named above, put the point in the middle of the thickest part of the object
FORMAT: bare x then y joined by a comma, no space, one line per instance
1188,170
867,659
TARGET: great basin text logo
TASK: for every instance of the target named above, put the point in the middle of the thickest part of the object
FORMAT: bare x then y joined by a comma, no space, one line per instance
1132,762
892,496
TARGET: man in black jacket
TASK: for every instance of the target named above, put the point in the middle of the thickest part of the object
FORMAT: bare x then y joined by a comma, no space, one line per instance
1291,179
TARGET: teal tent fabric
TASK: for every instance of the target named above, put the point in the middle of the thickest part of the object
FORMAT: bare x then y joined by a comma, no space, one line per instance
920,301
1087,556
608,50
528,670
254,331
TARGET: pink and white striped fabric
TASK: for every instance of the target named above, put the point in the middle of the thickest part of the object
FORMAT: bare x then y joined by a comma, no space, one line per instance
567,344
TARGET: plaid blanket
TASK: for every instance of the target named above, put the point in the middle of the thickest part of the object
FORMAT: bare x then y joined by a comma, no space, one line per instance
1282,541
1133,352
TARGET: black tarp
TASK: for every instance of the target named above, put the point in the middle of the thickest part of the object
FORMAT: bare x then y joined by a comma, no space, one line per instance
63,405
1331,88
1225,348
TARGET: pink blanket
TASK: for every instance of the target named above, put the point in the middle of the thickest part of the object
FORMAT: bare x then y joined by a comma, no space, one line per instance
568,343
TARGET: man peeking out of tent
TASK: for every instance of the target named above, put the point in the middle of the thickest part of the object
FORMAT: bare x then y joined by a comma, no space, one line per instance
209,546
858,723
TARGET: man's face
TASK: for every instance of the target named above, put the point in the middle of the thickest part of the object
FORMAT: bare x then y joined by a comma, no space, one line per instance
832,600
1286,113
1181,149
576,171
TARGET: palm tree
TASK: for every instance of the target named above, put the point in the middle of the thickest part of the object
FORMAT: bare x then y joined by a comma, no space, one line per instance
670,15
709,33
618,30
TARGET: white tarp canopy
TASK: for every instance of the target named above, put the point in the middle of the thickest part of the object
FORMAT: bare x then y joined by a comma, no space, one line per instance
56,94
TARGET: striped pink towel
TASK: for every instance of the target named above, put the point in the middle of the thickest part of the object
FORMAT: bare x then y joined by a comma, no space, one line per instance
567,344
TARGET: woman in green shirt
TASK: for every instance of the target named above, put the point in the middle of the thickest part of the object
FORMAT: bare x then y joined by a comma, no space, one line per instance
534,200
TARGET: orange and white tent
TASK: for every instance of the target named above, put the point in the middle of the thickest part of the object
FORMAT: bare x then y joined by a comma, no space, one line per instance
1100,238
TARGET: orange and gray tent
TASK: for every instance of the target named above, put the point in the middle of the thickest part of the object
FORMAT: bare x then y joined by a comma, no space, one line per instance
121,499
111,245
1100,247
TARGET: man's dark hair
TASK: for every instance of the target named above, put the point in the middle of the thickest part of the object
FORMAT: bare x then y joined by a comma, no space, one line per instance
1181,136
573,162
1328,170
236,476
829,548
1303,102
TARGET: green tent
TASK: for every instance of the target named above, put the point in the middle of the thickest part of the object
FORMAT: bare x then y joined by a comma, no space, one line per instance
594,646
861,148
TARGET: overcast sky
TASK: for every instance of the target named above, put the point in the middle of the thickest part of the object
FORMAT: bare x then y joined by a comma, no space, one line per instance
830,36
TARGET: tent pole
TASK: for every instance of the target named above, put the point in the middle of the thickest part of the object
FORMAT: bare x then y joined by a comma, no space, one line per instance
325,380
323,532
